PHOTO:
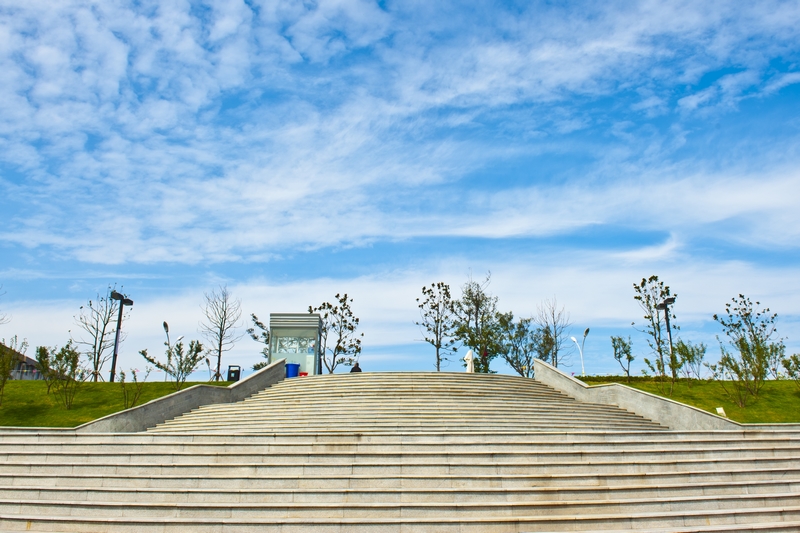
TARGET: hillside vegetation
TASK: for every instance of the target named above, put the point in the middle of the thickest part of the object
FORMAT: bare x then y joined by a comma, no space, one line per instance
27,404
778,402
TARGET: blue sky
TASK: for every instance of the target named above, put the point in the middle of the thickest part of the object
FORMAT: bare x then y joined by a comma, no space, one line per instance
293,150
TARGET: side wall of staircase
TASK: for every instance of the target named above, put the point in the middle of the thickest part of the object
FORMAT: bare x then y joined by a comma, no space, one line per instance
158,411
667,412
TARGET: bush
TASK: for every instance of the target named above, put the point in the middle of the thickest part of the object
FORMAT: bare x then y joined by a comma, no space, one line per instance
132,391
68,374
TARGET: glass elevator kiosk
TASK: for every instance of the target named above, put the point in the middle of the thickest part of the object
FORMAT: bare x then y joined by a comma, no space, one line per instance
296,338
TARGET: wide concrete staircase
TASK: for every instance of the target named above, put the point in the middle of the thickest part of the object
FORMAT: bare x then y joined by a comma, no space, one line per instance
402,453
405,403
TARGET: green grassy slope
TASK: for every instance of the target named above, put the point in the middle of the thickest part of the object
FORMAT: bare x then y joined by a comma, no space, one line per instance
778,401
26,403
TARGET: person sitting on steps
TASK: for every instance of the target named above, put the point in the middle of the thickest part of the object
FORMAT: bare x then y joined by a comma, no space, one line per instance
355,368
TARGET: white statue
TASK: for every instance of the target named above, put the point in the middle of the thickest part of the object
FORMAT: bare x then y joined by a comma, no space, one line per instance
468,358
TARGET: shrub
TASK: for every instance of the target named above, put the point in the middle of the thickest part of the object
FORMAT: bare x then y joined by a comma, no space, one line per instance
68,374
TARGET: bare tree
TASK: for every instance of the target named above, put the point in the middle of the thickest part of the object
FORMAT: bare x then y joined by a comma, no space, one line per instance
4,318
340,344
556,324
437,320
222,314
97,322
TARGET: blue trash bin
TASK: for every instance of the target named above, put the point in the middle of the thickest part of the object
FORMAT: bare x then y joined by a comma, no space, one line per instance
292,370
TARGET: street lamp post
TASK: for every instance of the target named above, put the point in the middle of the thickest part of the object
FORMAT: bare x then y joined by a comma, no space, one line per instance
664,306
123,301
580,349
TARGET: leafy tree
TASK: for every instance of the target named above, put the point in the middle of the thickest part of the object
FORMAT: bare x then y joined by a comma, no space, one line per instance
339,342
437,321
44,364
477,324
545,348
523,342
691,358
222,314
10,353
623,354
97,322
555,323
69,375
180,364
260,333
651,295
792,366
745,365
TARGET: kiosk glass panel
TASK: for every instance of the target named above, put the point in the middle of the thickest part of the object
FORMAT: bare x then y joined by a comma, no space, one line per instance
296,346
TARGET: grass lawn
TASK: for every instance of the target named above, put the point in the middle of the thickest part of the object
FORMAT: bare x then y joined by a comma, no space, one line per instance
778,401
26,403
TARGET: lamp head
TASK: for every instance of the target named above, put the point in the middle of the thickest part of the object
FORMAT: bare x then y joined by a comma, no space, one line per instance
166,326
574,340
585,333
117,296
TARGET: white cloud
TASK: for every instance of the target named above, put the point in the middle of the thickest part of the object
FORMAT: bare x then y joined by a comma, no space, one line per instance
781,81
693,101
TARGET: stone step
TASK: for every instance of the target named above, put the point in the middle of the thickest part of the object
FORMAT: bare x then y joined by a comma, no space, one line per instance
387,468
334,456
468,443
484,407
487,412
247,425
775,527
684,520
378,387
466,494
377,427
566,438
415,394
463,510
237,480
